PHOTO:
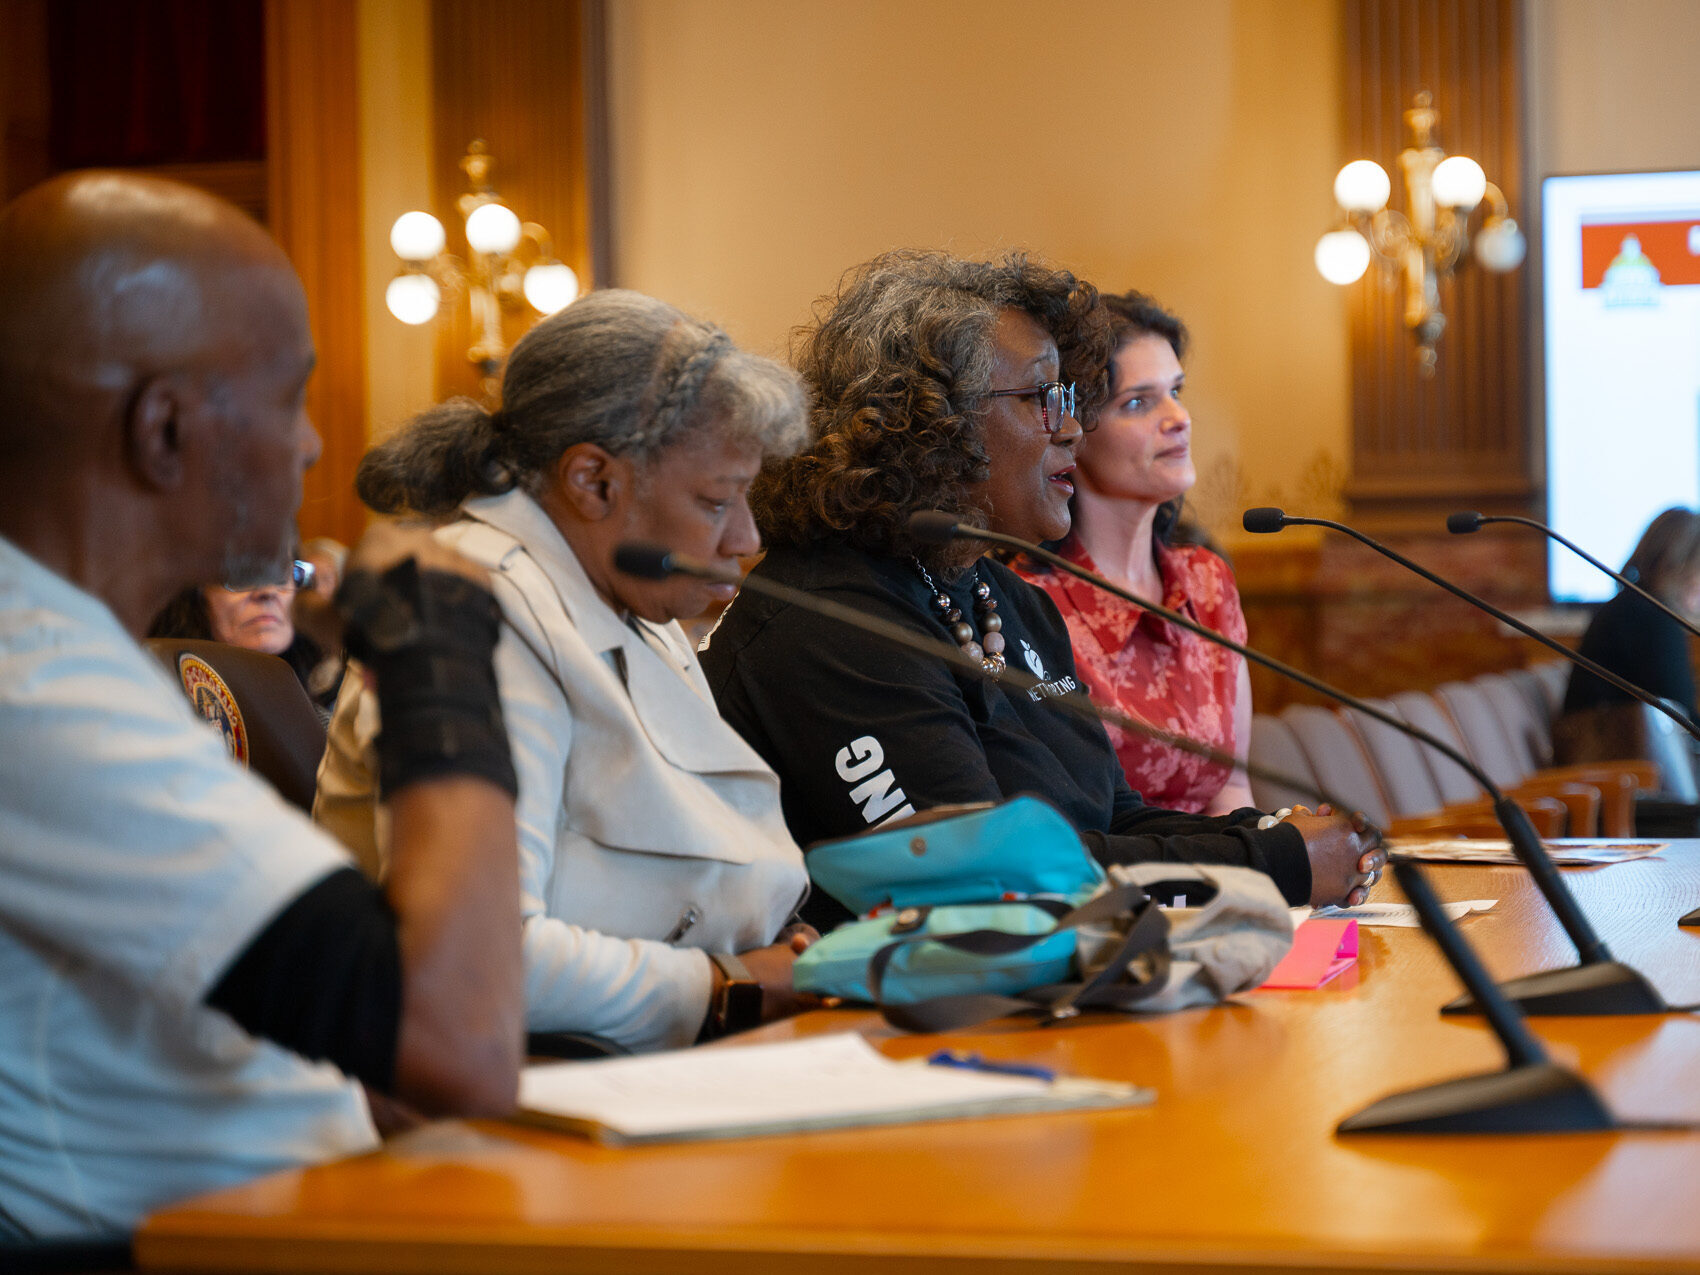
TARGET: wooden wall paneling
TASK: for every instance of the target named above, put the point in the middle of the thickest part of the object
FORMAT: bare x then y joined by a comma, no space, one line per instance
1422,446
156,82
1333,608
513,73
598,181
25,106
313,178
243,182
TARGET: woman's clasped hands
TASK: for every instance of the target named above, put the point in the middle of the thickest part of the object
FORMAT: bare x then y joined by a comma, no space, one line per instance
1346,855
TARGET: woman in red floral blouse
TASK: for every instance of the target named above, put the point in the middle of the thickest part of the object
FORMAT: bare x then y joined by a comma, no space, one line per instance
1133,470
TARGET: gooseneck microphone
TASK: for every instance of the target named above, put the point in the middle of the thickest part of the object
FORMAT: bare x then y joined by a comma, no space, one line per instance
1266,520
651,562
1531,1094
1599,985
1462,524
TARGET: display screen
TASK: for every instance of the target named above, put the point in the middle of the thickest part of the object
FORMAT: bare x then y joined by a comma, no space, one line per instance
1621,262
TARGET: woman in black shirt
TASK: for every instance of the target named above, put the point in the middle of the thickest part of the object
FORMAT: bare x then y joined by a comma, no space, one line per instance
1633,638
947,384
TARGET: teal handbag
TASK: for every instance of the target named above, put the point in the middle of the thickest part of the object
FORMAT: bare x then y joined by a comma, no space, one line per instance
838,963
1017,848
1005,875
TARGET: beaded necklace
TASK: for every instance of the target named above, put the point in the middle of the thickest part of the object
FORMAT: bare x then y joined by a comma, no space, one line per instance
988,650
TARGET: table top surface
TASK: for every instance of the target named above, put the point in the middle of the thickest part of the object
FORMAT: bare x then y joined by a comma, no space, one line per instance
1236,1165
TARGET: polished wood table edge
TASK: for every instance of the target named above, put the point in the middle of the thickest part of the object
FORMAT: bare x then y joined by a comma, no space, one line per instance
364,1249
189,1240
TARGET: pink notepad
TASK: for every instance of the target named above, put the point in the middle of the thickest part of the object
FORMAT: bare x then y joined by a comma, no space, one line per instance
1322,950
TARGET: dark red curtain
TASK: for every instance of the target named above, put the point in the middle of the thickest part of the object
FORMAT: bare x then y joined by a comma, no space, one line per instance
156,81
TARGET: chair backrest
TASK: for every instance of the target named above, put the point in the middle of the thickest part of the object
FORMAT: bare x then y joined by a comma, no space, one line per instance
1530,732
255,701
1338,758
1399,762
1611,732
1671,749
1274,745
1425,713
1486,740
1555,680
1534,690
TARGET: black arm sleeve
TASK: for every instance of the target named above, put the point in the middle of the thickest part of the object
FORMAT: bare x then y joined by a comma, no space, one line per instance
1171,837
324,979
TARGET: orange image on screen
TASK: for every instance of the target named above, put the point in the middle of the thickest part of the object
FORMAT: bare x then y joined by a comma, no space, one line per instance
1667,244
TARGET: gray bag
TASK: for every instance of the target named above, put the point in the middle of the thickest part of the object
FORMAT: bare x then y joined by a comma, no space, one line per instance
1232,930
1136,950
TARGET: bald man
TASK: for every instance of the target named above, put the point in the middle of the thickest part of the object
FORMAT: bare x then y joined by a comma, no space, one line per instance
192,979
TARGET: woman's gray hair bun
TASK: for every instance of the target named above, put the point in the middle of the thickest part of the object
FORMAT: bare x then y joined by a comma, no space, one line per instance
445,454
619,369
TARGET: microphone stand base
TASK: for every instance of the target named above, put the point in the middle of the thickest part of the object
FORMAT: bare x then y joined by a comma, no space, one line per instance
1690,918
1604,987
1537,1098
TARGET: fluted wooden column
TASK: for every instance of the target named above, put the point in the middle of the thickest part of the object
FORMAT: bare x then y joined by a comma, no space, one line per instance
1421,446
313,205
520,74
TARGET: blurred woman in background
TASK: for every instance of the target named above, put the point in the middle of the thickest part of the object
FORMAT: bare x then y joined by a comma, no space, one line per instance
260,619
1633,638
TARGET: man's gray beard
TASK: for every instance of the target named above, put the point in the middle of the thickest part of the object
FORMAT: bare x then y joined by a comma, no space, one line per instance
251,568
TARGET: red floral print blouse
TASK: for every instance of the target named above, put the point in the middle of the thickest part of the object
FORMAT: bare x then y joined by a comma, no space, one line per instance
1155,672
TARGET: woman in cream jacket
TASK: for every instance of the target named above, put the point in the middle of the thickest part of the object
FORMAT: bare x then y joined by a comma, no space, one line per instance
650,834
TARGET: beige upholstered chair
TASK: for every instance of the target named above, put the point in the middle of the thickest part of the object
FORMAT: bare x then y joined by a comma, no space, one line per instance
1274,745
1406,784
1495,749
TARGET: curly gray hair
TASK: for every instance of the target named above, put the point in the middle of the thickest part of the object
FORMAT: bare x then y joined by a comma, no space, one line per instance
619,369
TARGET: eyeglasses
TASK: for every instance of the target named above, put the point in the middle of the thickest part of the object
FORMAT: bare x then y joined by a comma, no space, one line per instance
1056,401
302,574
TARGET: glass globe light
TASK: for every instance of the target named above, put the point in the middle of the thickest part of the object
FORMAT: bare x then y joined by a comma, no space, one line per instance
1362,186
1500,246
416,236
413,298
492,228
1342,256
1459,182
550,286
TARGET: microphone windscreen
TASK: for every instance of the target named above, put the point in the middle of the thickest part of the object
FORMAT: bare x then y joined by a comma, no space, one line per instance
932,526
647,562
1264,519
1462,524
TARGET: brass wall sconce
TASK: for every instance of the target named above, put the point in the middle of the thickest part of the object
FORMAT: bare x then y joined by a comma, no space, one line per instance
1427,242
509,264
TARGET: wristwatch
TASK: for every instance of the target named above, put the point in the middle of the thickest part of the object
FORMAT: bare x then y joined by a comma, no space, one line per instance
737,1003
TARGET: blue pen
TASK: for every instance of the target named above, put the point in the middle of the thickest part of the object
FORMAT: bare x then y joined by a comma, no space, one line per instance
979,1062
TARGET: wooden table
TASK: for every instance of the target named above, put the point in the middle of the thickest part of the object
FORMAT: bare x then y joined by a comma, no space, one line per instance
1235,1168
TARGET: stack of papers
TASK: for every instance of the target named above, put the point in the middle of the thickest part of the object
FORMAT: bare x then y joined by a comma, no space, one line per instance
826,1082
1565,851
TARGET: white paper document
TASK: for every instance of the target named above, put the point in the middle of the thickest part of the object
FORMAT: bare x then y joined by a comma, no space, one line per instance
1402,915
824,1082
1565,851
